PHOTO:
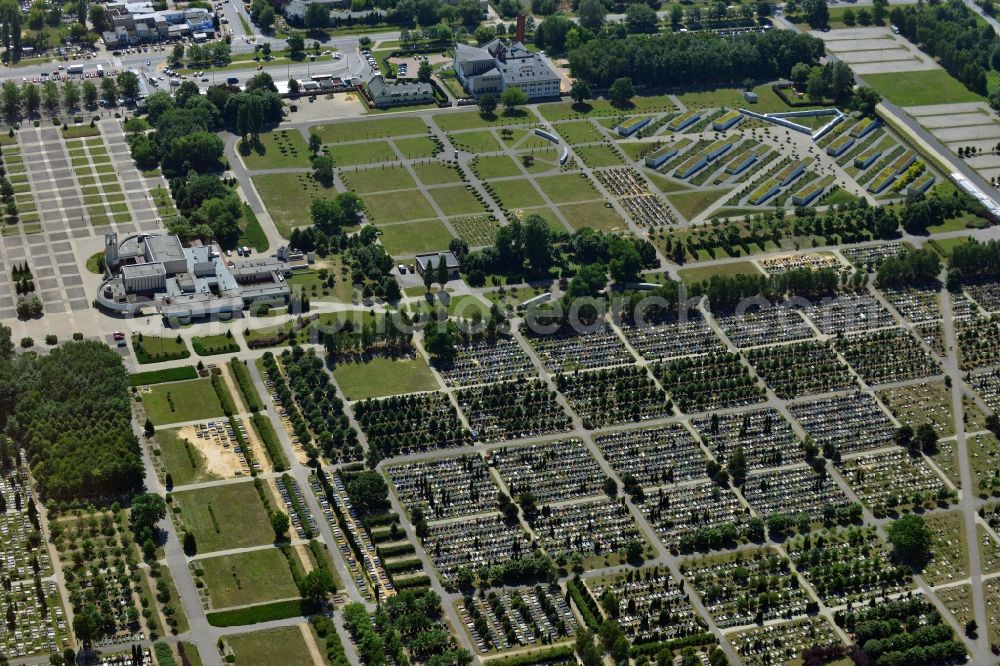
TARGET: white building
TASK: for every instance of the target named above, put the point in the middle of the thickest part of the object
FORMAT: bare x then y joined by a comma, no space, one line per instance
495,66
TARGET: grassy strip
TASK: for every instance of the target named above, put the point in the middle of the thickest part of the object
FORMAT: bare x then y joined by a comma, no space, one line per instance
205,346
164,656
165,375
584,602
676,644
226,400
253,234
278,610
242,376
553,655
270,438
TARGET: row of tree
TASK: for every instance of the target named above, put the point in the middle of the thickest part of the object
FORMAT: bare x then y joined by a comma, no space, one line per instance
28,99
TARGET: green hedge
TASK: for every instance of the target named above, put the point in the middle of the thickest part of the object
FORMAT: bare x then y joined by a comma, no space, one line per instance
165,375
164,656
411,582
584,602
242,376
675,644
279,610
213,350
270,438
226,400
395,550
558,654
402,566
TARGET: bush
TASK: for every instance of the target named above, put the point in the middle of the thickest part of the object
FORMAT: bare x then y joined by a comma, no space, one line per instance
269,437
164,375
226,400
279,610
51,340
242,376
27,342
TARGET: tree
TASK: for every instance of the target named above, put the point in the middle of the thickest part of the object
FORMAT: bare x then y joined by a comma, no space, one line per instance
903,436
849,17
31,99
815,86
317,16
440,344
190,545
296,47
676,15
591,14
71,94
910,537
621,92
148,428
800,74
369,493
89,94
315,585
511,98
265,19
315,143
280,524
128,82
11,95
428,279
50,97
442,272
817,14
487,104
323,169
925,438
865,100
87,624
424,72
580,91
293,87
99,20
641,18
109,90
146,510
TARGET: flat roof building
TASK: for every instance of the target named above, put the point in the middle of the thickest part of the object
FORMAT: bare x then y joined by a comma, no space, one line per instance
496,66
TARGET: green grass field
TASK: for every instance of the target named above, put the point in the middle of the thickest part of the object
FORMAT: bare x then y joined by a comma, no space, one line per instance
370,129
312,284
225,517
276,150
382,179
153,349
697,274
578,131
182,460
593,215
481,141
253,577
275,647
398,206
934,86
417,147
567,188
211,345
382,376
598,156
285,196
456,200
370,152
517,193
488,167
691,204
602,107
471,119
415,237
179,402
435,173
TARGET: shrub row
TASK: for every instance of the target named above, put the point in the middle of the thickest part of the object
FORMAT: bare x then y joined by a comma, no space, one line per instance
242,376
278,610
164,375
585,603
270,439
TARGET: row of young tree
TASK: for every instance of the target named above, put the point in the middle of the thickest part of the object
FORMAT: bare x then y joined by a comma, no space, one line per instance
29,99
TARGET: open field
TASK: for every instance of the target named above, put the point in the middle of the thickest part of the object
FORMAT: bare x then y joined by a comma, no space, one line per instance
193,400
250,577
382,376
224,517
934,86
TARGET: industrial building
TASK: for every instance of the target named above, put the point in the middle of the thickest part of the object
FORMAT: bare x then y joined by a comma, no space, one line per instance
157,273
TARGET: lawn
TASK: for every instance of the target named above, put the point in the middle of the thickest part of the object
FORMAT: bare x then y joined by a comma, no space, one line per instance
369,152
495,166
598,156
456,200
382,376
567,188
602,107
578,131
732,98
698,274
945,246
933,86
253,577
182,460
435,173
211,345
312,284
275,647
153,349
370,129
418,147
277,150
594,215
285,195
471,119
481,141
517,194
458,306
179,402
398,206
95,263
225,517
415,237
378,180
691,204
549,215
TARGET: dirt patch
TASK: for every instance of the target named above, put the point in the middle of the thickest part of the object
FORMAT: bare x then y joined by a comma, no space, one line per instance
218,460
303,554
257,449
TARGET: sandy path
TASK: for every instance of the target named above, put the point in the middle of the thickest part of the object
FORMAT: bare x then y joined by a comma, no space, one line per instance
307,635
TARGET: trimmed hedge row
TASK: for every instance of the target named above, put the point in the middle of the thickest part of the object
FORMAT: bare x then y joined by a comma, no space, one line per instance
560,654
270,439
402,566
395,550
242,376
278,610
584,602
411,582
226,400
161,376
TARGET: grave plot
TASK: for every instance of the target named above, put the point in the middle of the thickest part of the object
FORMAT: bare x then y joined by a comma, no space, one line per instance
671,338
446,487
625,394
309,405
35,623
791,262
801,368
553,471
588,532
568,350
983,451
915,304
764,435
978,342
893,479
295,507
713,381
722,583
653,456
683,515
886,356
870,257
18,520
949,554
963,307
848,313
926,402
848,566
991,592
648,210
512,410
474,543
989,550
911,620
846,423
932,333
797,491
783,643
622,181
987,385
485,361
652,606
764,326
958,601
409,423
984,292
523,616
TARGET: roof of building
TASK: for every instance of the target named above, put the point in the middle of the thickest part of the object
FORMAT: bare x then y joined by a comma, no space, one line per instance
165,248
143,270
379,88
431,259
